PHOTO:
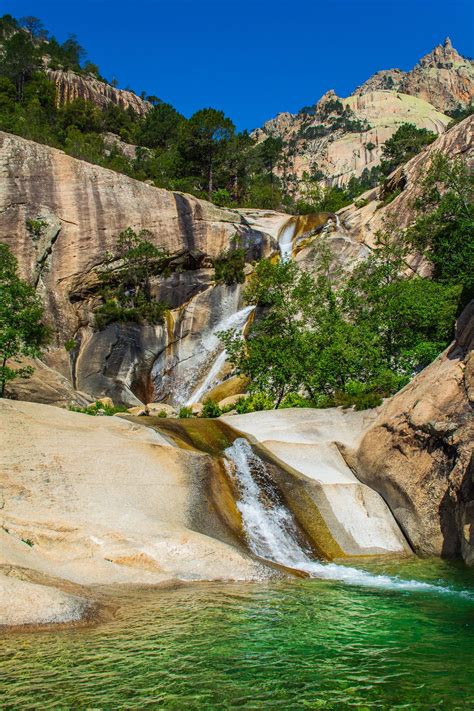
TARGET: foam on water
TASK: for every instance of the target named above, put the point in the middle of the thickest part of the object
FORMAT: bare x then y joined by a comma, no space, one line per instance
272,531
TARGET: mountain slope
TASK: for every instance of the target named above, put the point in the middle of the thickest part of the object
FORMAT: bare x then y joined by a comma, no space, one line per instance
339,138
442,77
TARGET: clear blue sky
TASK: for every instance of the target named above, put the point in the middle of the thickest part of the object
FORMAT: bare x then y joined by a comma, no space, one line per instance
251,59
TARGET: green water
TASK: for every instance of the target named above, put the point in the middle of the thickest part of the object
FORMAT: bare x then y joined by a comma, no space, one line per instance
296,644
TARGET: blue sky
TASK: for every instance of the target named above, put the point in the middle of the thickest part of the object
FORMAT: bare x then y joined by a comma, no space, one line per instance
251,59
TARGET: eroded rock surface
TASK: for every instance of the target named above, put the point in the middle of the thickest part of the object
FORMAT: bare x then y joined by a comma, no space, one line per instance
71,86
99,500
345,517
419,452
83,208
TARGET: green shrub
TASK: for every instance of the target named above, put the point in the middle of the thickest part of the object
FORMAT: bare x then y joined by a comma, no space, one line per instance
367,401
97,408
162,413
211,409
229,266
70,344
254,403
111,311
295,400
36,228
185,413
361,203
389,197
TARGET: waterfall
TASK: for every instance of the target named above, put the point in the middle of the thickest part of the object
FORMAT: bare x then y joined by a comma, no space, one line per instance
272,532
217,359
285,239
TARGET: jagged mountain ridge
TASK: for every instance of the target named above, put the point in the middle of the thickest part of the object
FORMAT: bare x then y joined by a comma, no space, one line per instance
336,148
443,77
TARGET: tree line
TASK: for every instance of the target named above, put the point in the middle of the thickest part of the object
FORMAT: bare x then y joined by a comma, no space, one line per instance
204,155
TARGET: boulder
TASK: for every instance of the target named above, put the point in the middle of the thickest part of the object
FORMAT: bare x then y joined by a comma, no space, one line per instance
157,408
26,603
231,400
418,453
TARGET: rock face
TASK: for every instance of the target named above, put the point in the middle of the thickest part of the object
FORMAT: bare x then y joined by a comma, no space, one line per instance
418,454
84,208
442,81
70,86
26,603
362,223
443,77
99,500
321,143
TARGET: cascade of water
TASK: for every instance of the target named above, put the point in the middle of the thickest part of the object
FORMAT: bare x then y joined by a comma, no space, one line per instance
285,239
211,345
272,532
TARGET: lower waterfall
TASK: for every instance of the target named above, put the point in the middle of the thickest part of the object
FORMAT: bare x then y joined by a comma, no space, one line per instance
272,533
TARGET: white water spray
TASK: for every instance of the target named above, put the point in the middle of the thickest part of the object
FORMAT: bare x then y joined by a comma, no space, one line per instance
285,239
272,531
235,321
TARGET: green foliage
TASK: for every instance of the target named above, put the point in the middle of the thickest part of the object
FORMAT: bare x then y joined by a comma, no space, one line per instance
256,402
22,332
460,113
126,287
389,197
98,408
36,228
405,143
229,266
444,230
70,345
314,344
185,413
160,127
210,408
295,400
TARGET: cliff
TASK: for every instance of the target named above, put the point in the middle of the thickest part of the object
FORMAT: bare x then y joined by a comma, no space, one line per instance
442,77
70,86
83,208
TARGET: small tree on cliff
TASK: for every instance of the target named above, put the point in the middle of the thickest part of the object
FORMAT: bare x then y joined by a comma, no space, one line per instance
22,332
126,283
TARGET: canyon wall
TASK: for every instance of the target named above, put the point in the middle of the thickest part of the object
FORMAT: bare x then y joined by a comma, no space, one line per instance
82,209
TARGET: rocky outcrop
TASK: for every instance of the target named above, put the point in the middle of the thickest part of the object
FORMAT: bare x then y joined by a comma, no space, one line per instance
324,144
82,208
443,77
442,81
366,217
71,86
101,501
418,454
